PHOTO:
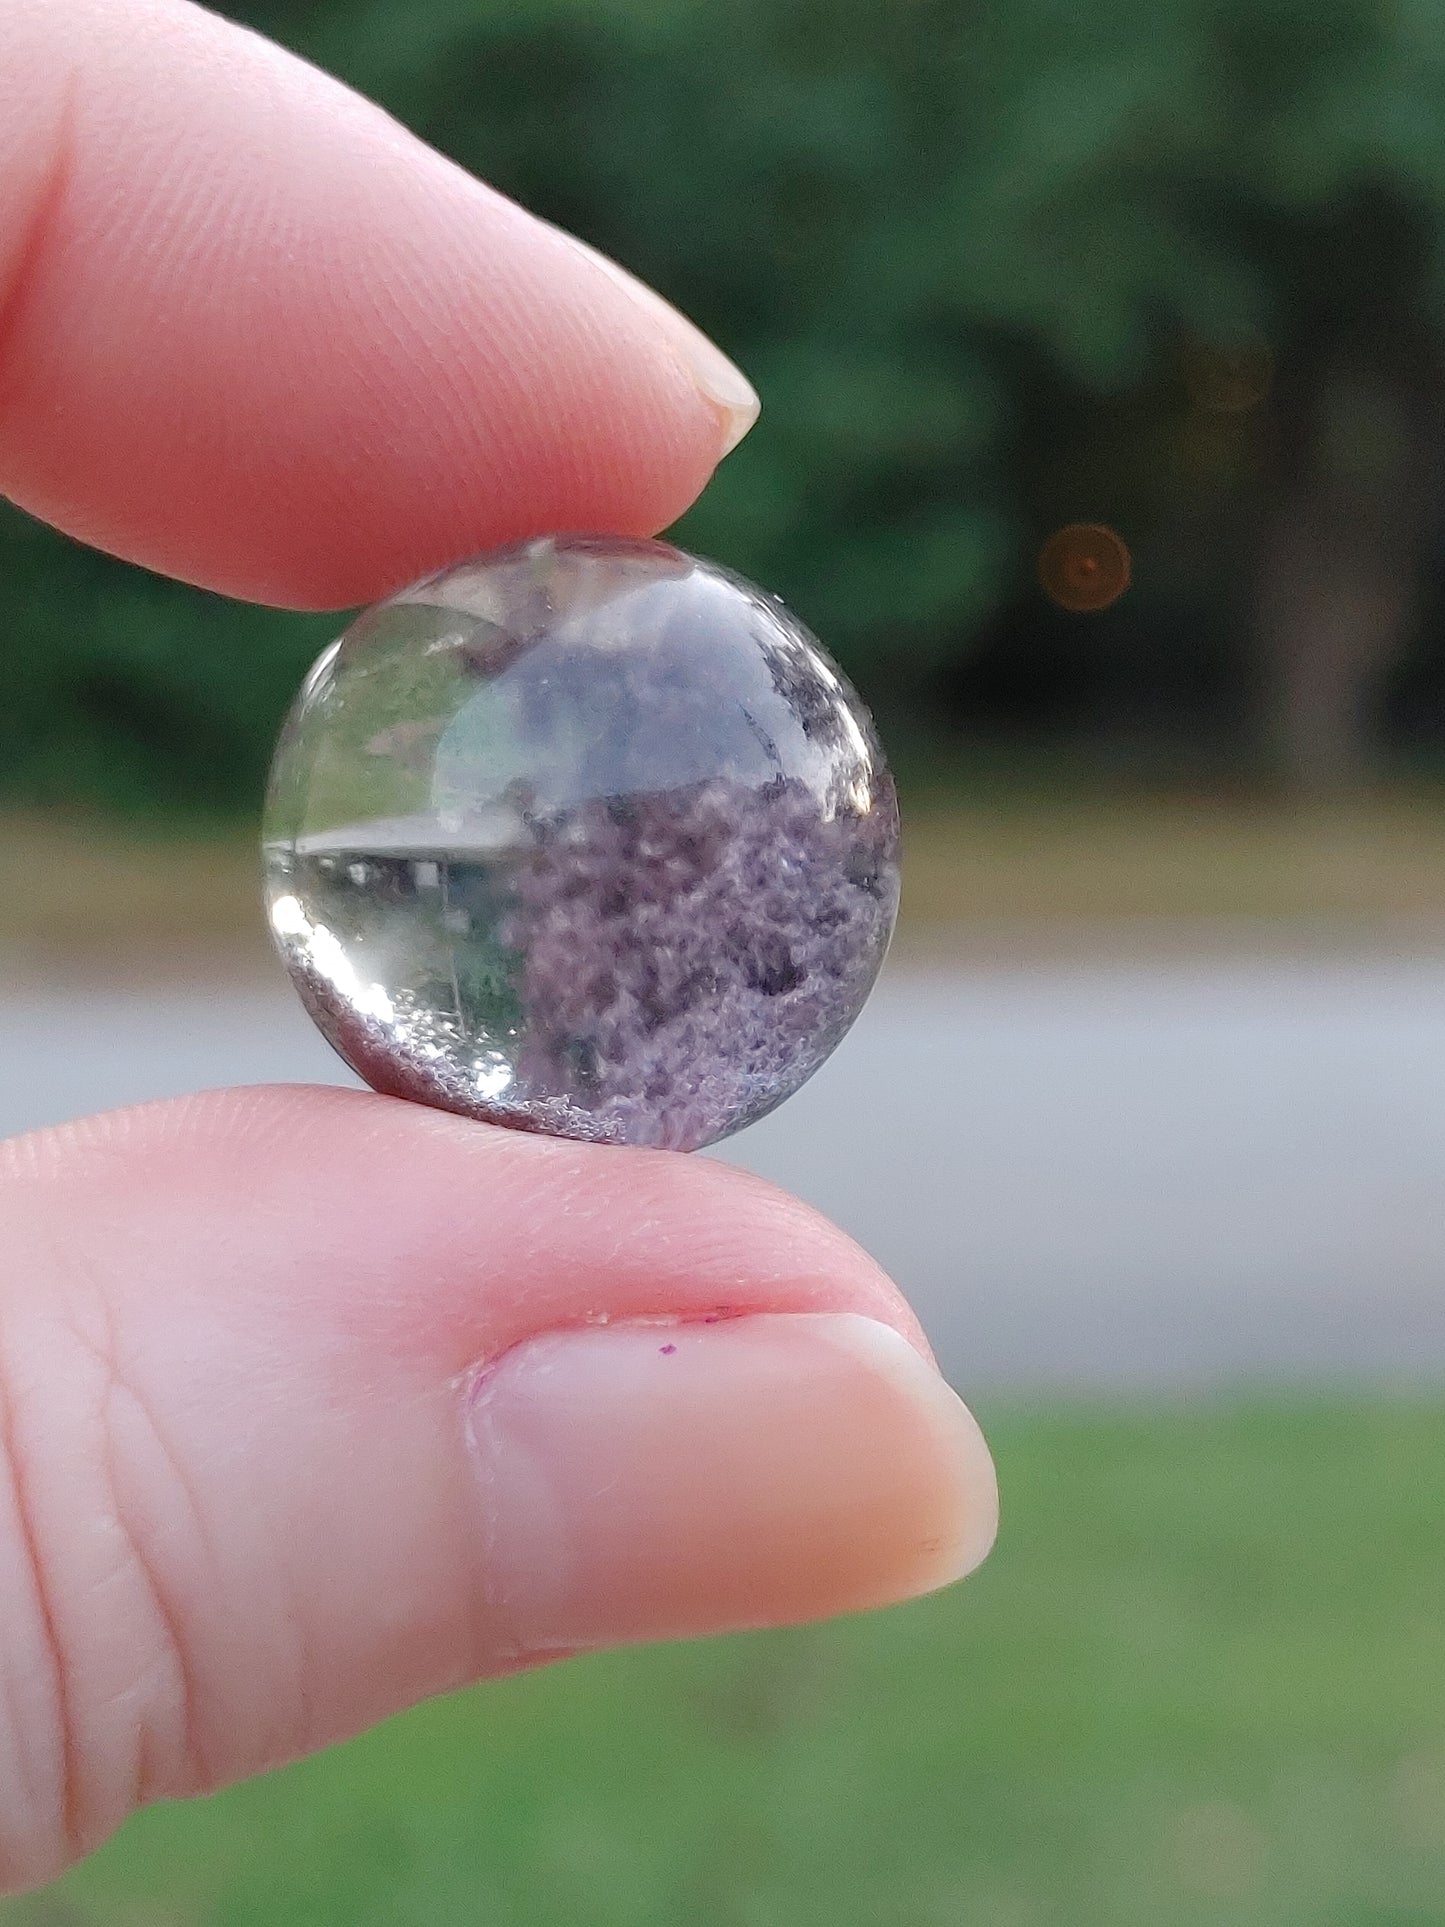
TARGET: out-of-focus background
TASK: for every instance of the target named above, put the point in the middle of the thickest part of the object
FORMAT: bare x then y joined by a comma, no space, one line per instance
1102,346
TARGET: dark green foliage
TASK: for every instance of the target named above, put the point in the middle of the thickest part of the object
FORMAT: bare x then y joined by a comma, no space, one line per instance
134,692
957,247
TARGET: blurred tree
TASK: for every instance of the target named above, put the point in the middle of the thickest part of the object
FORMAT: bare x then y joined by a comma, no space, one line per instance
976,258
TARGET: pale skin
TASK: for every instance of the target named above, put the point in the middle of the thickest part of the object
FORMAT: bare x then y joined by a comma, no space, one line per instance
314,1403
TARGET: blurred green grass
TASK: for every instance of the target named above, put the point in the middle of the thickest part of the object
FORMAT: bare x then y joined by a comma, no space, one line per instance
1201,1681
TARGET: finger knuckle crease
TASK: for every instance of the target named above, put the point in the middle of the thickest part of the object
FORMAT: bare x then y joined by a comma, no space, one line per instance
97,1701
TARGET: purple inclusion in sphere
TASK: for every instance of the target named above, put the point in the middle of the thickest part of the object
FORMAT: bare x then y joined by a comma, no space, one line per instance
587,836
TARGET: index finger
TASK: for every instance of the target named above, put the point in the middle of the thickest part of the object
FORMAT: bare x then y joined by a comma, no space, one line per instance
256,335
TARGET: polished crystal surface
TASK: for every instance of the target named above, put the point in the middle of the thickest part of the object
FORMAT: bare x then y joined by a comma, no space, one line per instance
587,836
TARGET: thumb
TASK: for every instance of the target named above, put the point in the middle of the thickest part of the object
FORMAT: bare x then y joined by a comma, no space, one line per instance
313,1403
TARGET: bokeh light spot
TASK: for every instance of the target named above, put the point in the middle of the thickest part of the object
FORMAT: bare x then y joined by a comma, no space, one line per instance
1084,566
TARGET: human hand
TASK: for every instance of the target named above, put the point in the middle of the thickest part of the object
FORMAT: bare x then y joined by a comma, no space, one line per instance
313,1403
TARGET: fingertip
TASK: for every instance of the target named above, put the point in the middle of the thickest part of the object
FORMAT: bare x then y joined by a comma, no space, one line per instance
338,1402
720,381
379,1213
259,337
659,1482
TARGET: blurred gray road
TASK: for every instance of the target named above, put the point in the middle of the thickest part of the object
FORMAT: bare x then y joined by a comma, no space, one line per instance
1150,1175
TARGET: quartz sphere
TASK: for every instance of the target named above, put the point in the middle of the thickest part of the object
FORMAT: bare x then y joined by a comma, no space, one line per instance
587,836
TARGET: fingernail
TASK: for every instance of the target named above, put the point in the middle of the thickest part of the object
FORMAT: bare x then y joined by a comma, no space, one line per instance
724,385
652,1482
